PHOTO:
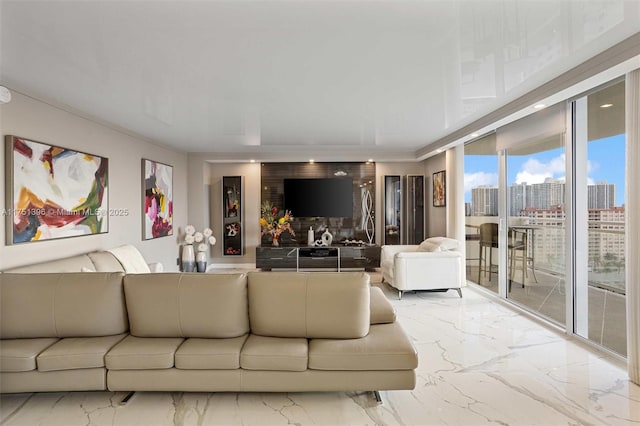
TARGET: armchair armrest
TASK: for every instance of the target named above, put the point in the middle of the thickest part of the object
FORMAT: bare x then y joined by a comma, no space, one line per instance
155,267
387,253
428,254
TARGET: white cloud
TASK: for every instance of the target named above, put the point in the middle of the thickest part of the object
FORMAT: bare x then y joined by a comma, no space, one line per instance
474,180
534,171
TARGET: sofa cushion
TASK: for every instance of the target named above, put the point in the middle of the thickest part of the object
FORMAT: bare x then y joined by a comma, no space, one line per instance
386,347
187,305
210,354
77,352
382,311
139,353
78,304
312,305
274,353
20,354
104,261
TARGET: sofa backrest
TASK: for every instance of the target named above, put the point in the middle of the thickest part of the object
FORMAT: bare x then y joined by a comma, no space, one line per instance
130,258
34,305
333,305
104,261
79,263
187,305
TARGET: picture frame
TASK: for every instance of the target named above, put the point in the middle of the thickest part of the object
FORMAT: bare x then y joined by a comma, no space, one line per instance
53,192
439,189
157,199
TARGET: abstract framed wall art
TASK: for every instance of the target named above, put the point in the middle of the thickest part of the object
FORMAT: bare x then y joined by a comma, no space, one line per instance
157,200
53,192
439,189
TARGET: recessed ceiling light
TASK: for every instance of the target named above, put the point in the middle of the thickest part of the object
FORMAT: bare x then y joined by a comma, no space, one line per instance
370,160
252,161
539,106
311,161
606,105
474,135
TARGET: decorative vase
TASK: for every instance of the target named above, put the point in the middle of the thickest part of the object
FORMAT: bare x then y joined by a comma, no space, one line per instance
275,241
201,261
327,238
188,258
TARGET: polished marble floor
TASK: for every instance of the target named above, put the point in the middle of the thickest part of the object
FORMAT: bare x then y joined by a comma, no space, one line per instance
480,363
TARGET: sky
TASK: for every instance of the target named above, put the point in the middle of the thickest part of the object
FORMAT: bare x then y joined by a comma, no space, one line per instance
606,162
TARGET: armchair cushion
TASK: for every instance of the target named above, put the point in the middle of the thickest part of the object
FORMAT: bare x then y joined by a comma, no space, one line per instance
438,244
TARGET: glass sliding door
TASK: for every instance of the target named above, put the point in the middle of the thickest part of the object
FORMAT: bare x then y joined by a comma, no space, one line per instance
536,226
481,163
599,164
535,214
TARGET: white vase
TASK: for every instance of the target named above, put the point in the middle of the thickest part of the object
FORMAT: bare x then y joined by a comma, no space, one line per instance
327,238
201,261
188,258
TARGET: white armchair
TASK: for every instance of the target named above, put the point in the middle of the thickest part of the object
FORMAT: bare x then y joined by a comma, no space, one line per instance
132,261
435,264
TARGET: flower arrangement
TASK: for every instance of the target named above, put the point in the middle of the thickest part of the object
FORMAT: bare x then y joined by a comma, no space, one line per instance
202,238
274,222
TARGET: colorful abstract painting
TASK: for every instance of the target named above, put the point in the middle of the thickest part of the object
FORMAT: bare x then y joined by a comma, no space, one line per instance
158,199
54,192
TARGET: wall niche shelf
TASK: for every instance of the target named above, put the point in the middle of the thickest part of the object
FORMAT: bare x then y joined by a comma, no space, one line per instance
232,216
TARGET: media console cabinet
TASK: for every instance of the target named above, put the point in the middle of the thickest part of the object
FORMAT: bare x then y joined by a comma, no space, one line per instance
313,258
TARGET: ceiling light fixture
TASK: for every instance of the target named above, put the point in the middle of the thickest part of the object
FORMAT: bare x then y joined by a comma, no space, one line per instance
311,161
252,161
539,106
474,135
606,105
5,95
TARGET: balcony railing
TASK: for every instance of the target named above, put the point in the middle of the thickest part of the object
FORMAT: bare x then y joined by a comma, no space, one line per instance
547,248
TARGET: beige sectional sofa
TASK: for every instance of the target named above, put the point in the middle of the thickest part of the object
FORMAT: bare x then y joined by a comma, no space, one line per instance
262,331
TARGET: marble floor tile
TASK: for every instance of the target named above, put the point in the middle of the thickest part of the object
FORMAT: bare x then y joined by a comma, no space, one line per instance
480,363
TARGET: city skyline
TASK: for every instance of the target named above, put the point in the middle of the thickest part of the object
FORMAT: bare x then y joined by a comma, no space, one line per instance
606,163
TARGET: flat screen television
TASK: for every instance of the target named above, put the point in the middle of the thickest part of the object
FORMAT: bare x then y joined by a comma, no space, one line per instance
330,197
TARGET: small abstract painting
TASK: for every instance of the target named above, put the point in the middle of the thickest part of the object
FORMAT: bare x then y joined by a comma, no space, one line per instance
439,189
54,192
158,199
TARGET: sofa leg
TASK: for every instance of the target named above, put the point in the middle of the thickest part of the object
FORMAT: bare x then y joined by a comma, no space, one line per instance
377,396
400,294
459,290
127,398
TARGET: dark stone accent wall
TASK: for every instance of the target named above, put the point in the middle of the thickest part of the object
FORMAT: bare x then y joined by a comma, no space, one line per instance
272,189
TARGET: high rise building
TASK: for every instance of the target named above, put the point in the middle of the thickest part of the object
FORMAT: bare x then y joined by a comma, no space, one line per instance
484,201
602,195
518,199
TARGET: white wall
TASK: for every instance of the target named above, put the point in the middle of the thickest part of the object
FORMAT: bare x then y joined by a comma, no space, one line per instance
35,120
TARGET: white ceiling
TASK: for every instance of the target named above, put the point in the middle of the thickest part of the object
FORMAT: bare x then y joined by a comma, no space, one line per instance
370,77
